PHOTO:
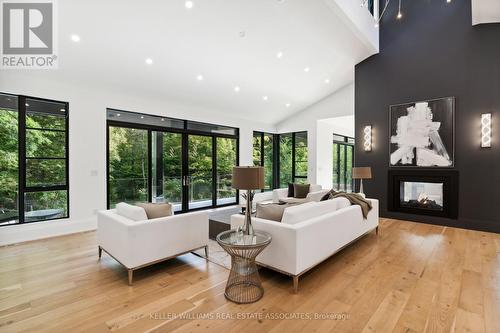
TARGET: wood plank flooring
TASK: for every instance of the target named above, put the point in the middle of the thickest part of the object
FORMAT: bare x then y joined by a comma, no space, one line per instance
410,278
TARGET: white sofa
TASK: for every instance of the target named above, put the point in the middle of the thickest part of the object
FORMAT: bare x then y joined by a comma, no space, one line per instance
310,233
141,242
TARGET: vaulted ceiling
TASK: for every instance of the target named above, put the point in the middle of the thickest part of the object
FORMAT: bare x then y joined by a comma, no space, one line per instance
259,59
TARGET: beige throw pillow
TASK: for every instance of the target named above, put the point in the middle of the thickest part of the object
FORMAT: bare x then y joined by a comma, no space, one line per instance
273,212
156,210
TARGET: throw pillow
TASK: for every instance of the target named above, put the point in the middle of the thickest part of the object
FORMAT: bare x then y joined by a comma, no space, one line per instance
291,191
301,190
156,210
131,212
273,212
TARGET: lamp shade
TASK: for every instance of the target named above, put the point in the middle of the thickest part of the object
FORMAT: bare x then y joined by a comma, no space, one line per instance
362,173
248,177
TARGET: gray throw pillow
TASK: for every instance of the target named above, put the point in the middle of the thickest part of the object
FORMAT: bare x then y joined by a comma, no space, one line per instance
156,210
301,190
273,212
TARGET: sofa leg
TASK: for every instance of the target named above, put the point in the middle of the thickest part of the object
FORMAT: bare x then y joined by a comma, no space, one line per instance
295,283
376,230
100,252
130,276
206,251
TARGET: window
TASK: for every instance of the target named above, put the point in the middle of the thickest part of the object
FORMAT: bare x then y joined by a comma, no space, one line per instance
285,159
160,159
263,155
343,161
128,165
226,160
300,157
283,156
167,168
33,159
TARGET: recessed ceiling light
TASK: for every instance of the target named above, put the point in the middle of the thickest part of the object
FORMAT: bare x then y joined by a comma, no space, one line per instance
189,4
26,104
75,38
448,1
279,55
142,117
118,114
62,110
327,81
149,61
199,77
287,105
162,119
307,69
264,98
236,89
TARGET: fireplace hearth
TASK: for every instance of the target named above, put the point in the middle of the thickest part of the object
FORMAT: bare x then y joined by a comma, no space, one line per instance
424,192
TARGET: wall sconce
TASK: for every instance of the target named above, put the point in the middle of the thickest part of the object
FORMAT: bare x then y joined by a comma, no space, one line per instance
486,130
367,138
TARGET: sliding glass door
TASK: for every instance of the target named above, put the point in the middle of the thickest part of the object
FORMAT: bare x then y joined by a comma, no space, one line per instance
167,175
200,177
226,160
128,165
343,161
177,163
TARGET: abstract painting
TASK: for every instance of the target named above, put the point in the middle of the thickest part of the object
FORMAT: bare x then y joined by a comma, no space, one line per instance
422,133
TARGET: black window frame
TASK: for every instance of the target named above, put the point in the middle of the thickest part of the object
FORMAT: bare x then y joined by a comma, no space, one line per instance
276,155
185,131
23,189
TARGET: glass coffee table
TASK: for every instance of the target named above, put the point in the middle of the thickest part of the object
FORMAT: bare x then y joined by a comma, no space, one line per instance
243,284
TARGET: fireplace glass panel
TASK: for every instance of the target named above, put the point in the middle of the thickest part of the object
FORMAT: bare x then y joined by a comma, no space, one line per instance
421,195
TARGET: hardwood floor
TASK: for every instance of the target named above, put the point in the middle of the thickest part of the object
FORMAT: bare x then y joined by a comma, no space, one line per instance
410,278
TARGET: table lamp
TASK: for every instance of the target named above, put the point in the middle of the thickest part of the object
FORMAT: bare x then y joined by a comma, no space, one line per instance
248,178
361,173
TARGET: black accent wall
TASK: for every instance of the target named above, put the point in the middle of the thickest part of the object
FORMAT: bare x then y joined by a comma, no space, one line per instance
434,51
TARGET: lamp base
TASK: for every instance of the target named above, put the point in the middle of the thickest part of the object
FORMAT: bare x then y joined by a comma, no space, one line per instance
247,225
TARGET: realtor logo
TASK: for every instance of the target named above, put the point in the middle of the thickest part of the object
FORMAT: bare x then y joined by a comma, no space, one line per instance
28,34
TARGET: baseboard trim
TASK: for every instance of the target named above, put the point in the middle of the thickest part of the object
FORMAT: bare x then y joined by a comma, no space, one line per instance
22,233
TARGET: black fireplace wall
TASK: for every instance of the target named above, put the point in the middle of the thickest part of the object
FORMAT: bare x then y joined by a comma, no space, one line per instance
434,51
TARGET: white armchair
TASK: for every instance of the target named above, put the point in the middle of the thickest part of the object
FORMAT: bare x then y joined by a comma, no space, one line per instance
136,244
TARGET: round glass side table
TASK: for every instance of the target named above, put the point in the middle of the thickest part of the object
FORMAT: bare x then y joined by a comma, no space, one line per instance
243,284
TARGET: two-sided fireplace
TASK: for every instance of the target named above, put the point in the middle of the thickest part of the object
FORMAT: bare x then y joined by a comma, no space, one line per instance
424,192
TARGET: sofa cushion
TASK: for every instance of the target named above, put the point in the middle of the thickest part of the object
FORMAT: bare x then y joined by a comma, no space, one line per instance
299,213
156,210
341,202
301,190
317,196
295,201
273,212
131,212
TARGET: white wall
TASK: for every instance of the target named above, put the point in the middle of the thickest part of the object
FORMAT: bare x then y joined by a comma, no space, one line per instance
324,148
319,139
87,143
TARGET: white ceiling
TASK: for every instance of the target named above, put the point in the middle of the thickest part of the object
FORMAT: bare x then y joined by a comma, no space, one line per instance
117,36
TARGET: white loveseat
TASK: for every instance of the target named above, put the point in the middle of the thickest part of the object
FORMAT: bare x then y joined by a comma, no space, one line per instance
141,242
310,233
